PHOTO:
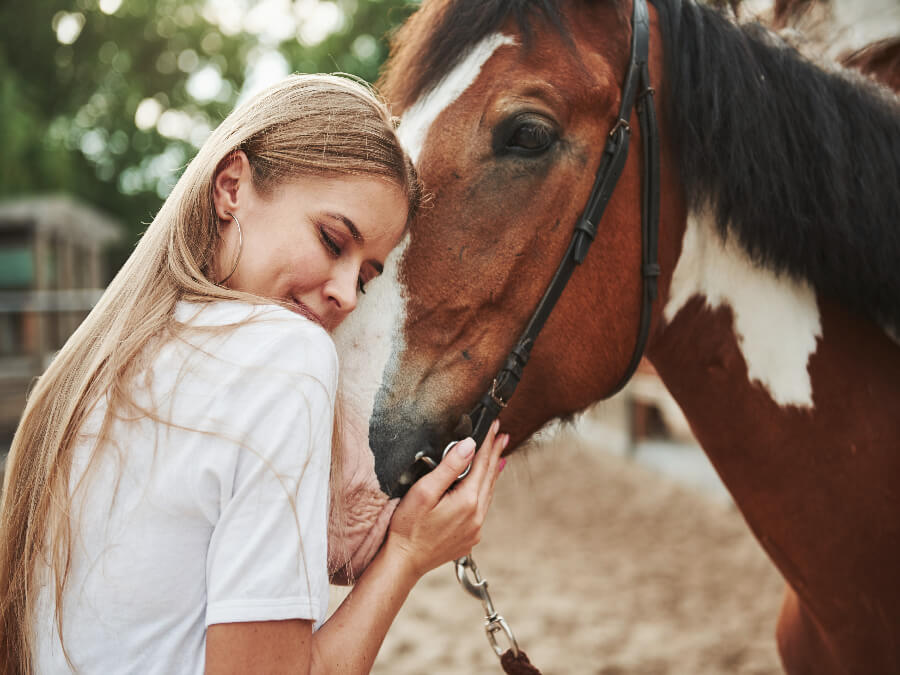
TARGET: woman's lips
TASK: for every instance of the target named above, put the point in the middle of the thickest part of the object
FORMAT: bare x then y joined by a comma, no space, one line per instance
308,313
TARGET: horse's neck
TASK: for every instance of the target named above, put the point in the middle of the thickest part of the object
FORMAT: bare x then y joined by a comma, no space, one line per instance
793,398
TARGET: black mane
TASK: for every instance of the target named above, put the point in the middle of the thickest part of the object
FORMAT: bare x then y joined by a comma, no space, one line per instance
802,165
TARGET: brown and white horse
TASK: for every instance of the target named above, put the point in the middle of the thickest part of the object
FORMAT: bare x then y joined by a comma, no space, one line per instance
779,245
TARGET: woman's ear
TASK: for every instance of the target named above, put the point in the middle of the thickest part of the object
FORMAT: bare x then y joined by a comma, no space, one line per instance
231,183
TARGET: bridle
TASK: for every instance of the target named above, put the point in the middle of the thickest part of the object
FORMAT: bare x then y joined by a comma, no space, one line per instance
636,93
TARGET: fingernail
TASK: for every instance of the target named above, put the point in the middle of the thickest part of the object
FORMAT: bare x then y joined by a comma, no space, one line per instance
505,440
495,426
465,448
501,465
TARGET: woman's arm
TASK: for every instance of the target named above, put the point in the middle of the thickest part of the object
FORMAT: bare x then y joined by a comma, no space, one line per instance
432,525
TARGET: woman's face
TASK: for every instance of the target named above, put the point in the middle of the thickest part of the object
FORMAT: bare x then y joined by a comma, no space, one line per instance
313,242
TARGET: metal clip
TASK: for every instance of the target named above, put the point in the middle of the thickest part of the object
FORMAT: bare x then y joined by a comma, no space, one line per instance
493,622
423,457
468,468
620,124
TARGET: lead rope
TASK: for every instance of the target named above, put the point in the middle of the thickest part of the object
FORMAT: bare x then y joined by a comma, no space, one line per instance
514,661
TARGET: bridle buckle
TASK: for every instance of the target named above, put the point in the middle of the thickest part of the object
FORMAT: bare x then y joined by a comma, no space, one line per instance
495,397
620,124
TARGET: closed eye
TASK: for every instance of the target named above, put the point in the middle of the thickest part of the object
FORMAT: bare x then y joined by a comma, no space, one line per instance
328,241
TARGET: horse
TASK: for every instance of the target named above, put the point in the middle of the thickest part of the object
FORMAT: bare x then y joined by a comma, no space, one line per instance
775,322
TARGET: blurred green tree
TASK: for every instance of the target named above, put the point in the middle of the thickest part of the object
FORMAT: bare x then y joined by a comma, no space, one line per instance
109,99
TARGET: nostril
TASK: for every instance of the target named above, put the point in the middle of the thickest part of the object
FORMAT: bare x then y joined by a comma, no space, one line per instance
399,436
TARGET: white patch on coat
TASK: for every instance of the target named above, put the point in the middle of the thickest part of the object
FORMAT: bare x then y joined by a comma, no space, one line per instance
776,318
416,121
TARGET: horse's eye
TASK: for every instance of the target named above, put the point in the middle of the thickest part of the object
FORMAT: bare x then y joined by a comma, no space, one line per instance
530,138
526,134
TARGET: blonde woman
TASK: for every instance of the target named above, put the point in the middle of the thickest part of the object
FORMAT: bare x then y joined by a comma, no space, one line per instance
166,501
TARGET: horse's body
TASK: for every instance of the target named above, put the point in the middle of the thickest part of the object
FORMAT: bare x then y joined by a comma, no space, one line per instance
779,290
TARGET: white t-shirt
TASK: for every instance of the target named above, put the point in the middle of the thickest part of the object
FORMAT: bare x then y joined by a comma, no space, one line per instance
218,517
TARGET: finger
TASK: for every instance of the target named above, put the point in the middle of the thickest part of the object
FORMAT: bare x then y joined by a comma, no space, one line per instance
483,457
487,489
436,483
493,454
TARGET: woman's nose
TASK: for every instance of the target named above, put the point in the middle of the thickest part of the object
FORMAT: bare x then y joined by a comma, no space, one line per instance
342,290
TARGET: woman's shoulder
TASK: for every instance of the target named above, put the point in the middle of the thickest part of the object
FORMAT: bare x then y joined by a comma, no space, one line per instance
267,337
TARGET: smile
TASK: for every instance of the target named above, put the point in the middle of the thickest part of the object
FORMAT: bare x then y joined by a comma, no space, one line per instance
304,310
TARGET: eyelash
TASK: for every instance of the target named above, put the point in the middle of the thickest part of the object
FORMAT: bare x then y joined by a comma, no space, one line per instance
332,247
329,243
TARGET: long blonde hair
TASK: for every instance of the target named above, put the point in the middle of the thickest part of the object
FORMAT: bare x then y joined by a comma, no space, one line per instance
318,125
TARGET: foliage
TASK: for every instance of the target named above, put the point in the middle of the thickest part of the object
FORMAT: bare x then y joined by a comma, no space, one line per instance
108,99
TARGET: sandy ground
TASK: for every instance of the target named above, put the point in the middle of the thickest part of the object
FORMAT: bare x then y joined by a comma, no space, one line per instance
602,566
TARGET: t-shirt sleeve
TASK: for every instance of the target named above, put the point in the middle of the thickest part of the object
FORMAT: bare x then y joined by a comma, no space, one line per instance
267,557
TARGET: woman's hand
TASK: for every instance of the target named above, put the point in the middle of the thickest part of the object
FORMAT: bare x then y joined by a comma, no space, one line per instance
433,523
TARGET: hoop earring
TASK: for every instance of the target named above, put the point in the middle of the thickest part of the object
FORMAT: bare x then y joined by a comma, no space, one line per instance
240,249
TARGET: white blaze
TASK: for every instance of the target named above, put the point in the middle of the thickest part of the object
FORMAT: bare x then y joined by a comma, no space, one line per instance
416,121
776,318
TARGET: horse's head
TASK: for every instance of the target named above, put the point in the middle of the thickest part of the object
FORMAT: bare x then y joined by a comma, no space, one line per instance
506,118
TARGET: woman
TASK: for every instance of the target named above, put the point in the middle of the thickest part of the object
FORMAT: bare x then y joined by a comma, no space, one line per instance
166,500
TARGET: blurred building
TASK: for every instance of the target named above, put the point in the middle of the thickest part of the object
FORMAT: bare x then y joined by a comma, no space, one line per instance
52,271
644,411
